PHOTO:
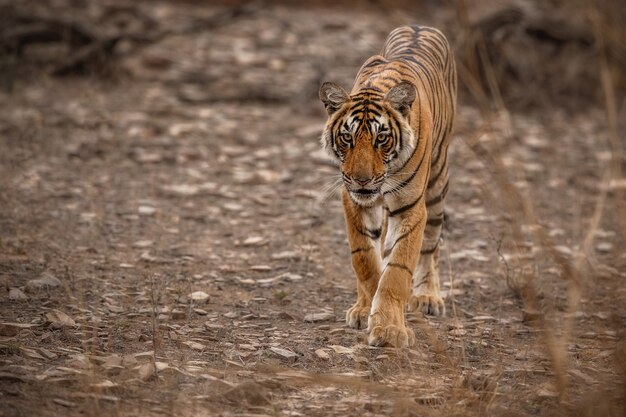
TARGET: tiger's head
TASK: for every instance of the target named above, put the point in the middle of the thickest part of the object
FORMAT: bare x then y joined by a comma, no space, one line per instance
368,135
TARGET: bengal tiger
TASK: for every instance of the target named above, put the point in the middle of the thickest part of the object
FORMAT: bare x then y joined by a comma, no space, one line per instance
390,139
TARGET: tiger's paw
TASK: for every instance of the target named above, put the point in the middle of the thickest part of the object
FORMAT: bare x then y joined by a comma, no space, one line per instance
427,303
386,328
392,335
356,316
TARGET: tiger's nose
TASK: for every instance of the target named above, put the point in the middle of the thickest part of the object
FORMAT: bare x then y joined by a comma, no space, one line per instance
362,181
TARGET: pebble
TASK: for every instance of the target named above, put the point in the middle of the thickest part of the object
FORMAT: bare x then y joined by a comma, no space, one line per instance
284,353
254,241
199,297
285,255
604,247
178,314
45,281
15,294
317,317
146,210
146,371
58,319
321,353
195,345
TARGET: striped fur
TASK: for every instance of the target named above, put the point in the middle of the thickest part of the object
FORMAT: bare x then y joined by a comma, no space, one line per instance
390,138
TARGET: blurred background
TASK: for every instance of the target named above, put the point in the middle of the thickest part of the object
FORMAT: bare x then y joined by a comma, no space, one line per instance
529,52
167,217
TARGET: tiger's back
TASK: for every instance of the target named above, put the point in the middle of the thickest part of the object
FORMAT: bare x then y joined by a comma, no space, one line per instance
421,55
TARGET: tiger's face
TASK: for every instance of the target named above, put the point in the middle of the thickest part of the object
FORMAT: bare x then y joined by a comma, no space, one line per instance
369,137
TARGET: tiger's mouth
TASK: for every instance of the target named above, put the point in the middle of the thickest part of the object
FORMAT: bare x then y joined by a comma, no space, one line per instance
364,196
366,192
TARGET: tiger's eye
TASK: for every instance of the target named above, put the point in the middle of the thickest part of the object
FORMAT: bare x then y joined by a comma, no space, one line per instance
382,139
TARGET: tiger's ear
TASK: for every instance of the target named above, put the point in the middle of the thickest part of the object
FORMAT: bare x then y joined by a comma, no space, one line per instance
333,97
401,96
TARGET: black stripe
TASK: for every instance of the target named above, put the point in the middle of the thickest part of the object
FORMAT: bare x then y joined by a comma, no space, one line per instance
430,251
437,221
408,180
406,207
372,234
357,250
440,197
404,267
404,236
433,180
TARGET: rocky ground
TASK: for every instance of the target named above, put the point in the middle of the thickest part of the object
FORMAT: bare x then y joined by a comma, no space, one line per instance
171,243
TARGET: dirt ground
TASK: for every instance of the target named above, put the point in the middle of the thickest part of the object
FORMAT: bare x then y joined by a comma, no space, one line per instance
170,243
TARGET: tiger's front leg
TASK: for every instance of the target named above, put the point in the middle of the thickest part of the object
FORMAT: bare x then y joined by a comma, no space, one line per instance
365,227
402,247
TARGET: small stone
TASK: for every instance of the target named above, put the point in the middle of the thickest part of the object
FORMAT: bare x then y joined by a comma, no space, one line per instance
178,314
291,277
146,210
285,255
546,390
146,371
604,247
194,345
15,294
484,318
458,332
317,317
230,315
64,403
267,282
142,244
79,361
113,361
342,349
200,312
58,319
182,190
261,268
47,353
321,353
199,297
45,281
106,384
31,353
254,241
284,353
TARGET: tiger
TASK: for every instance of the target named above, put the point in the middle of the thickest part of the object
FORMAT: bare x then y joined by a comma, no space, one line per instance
390,137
